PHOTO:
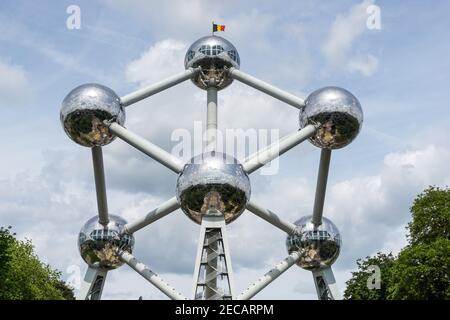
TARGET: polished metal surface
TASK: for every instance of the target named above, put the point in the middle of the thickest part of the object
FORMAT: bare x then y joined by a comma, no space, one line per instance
319,247
214,55
212,188
338,112
213,182
99,244
83,111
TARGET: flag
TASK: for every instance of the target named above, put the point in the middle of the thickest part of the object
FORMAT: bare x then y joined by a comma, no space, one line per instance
218,27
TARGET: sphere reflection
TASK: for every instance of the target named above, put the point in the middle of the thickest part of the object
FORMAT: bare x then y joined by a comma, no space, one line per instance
339,113
98,244
213,182
214,55
83,111
319,247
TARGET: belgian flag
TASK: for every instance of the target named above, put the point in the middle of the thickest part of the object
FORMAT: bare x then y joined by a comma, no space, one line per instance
218,27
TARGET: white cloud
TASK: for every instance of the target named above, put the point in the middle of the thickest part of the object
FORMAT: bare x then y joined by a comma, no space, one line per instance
161,60
50,204
14,84
18,33
344,32
176,17
366,66
250,29
370,210
48,207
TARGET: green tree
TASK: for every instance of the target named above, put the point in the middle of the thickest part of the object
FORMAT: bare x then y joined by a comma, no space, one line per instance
23,276
421,270
357,288
430,216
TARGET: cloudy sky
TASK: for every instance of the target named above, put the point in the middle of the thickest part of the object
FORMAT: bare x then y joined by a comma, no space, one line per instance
400,73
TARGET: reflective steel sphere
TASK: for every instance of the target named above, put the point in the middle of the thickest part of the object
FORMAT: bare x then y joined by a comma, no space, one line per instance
210,183
83,111
339,113
98,244
213,54
319,248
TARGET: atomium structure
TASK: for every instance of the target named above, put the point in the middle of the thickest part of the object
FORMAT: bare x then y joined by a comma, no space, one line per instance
213,189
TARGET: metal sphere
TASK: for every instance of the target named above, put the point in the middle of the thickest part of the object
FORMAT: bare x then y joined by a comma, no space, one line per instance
213,183
214,55
339,113
83,111
319,247
98,244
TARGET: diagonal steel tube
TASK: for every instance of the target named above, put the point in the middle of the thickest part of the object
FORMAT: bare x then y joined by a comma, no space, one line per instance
276,149
167,207
100,186
270,276
157,87
147,147
271,217
267,88
152,277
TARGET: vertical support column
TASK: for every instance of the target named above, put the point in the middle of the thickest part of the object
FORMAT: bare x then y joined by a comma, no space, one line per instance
211,145
100,186
326,284
321,187
213,274
92,285
211,116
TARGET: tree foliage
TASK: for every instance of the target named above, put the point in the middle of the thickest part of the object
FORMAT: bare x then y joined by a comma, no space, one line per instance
421,270
357,288
430,216
23,276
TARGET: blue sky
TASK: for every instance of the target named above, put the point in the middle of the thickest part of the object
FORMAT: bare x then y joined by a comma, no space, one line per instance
400,74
